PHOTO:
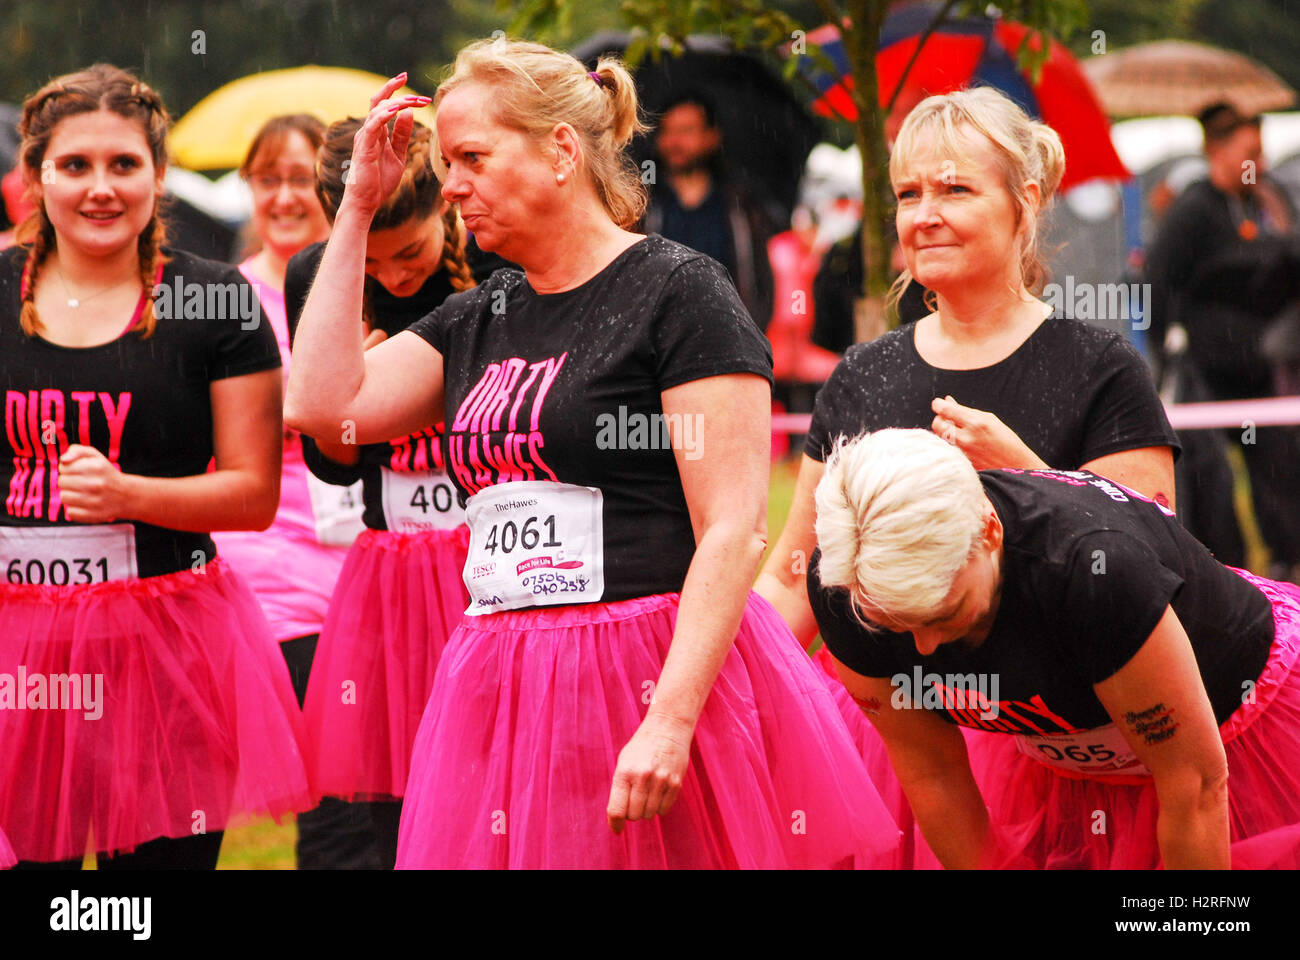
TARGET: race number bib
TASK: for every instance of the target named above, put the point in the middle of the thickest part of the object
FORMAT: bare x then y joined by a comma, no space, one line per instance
534,544
337,511
68,556
1103,750
420,500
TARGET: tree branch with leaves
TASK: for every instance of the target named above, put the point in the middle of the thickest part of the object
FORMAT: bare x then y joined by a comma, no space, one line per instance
659,27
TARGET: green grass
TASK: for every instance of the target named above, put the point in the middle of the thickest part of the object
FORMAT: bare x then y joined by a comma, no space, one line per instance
1257,555
780,493
260,845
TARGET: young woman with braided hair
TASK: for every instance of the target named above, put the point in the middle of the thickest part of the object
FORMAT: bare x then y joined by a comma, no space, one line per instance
400,594
167,707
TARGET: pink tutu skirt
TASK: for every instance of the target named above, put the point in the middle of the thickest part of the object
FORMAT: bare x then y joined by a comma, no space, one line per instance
517,751
181,715
7,858
905,855
398,599
1043,818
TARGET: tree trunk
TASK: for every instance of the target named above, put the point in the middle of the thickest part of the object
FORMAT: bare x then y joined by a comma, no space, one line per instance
861,36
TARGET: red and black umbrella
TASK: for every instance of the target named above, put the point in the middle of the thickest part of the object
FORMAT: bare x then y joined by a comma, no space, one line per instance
974,51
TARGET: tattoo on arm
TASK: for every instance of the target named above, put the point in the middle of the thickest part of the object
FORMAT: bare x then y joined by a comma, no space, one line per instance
1155,724
870,706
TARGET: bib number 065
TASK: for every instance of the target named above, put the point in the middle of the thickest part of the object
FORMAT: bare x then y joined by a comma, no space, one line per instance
1095,752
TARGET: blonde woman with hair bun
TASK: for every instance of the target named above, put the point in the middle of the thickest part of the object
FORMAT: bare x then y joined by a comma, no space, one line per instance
615,695
991,370
1096,649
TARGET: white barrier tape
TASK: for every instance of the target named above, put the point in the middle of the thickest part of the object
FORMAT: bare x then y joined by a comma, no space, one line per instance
1237,414
791,422
1234,414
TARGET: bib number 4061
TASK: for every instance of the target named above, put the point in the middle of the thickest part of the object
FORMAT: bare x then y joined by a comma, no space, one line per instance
509,535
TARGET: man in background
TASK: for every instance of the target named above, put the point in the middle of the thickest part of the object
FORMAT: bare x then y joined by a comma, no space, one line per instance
698,202
1222,266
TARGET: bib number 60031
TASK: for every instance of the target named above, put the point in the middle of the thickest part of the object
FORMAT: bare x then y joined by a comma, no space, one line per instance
58,572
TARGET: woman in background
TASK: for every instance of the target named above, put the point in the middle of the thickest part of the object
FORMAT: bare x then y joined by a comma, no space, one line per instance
400,594
290,570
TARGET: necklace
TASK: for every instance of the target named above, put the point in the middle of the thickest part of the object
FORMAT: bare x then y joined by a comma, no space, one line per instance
75,302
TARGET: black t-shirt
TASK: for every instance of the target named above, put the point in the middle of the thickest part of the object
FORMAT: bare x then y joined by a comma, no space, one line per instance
143,403
1088,570
417,452
566,387
703,227
1071,392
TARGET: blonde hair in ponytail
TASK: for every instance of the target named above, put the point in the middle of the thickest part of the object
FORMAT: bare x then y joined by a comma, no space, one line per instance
535,87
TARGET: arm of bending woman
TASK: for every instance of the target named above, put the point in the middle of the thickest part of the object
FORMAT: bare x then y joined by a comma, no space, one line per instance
783,580
726,492
1159,702
929,758
242,493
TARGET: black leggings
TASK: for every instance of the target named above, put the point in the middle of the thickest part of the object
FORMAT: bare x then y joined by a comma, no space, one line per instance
166,853
336,835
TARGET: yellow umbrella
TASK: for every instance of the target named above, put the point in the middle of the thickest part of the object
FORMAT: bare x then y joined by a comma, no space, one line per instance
216,134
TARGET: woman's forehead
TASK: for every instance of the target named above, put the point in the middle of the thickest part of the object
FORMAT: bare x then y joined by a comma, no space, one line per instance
287,147
466,111
101,128
930,151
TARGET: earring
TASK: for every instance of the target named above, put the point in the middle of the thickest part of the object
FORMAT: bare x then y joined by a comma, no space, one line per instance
559,178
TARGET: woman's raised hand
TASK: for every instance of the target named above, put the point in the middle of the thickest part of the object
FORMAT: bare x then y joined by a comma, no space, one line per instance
988,443
378,154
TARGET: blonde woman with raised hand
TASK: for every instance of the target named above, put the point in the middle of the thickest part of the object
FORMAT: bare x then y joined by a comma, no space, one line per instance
617,697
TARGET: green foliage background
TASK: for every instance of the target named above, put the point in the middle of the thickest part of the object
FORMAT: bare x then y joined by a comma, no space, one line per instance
43,38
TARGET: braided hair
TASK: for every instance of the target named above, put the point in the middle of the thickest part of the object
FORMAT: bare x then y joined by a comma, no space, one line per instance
100,87
417,196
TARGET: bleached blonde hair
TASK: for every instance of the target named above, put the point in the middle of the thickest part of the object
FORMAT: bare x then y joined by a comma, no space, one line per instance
534,88
1026,150
899,512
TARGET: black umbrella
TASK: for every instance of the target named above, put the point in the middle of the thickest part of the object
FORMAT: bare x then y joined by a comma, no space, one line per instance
767,133
9,143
